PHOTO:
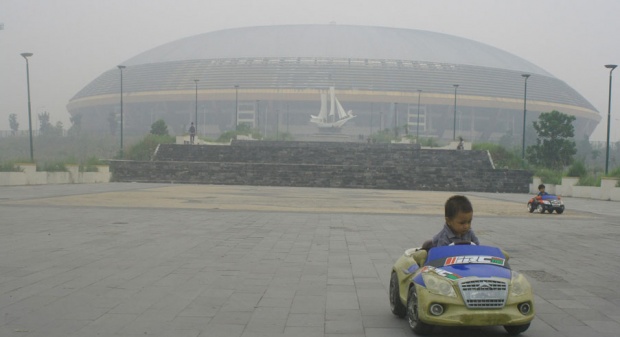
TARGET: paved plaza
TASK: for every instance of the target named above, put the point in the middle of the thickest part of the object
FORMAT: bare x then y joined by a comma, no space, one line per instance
123,259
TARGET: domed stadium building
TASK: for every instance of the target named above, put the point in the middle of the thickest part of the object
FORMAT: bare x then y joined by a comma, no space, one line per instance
419,82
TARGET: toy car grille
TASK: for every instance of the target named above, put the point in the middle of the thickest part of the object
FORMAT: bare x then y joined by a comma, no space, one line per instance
484,293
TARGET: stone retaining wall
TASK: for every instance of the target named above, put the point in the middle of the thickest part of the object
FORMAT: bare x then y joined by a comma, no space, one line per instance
320,164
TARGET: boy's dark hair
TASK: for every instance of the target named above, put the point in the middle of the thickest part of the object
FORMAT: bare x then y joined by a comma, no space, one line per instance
456,204
541,186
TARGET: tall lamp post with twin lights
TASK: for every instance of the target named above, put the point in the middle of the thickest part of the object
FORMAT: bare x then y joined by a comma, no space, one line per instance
612,67
196,115
26,56
121,67
417,127
526,76
236,106
456,86
395,120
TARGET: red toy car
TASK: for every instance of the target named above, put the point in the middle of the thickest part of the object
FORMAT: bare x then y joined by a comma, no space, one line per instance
546,203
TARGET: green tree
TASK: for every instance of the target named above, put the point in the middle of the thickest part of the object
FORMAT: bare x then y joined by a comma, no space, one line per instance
46,128
555,146
57,130
502,157
13,123
76,124
382,136
44,123
243,129
144,149
508,140
159,127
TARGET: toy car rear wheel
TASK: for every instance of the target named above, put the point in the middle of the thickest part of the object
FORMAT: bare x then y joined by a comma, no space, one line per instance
415,324
530,207
540,209
514,330
396,305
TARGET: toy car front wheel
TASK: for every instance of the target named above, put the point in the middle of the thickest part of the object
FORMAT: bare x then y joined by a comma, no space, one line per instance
514,330
560,210
396,305
415,324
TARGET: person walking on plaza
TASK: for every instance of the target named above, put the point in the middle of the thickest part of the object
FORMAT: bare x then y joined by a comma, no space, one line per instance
192,133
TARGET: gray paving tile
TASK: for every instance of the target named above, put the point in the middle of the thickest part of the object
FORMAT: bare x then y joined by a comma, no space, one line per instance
344,327
127,271
105,325
305,320
387,332
605,327
232,317
218,330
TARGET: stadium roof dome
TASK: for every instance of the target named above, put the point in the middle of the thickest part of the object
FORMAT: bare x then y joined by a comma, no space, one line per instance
336,41
366,64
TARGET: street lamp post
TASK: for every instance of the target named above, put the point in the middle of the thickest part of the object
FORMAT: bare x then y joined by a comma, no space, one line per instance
612,67
277,124
196,115
257,112
456,86
26,56
417,127
371,108
395,119
236,105
121,67
287,114
526,76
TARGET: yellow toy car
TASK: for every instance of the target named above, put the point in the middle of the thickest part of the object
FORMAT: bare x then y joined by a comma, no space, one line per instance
460,285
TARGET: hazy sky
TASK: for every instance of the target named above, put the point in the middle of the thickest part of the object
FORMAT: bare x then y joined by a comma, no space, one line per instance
74,41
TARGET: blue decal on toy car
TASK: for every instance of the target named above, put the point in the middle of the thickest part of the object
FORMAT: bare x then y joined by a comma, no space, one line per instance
450,251
479,270
411,269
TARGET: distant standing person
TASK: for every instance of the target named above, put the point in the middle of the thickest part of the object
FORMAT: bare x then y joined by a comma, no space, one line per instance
460,146
192,133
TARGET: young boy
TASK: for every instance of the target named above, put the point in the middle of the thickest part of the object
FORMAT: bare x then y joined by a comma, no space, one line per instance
459,213
541,190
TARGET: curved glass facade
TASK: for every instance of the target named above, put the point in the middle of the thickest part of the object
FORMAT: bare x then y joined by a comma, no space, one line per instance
382,92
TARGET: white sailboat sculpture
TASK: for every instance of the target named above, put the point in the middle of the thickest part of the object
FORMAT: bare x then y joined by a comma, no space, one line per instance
333,119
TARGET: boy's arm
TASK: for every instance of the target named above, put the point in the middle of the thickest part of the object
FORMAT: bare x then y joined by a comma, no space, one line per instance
474,238
441,239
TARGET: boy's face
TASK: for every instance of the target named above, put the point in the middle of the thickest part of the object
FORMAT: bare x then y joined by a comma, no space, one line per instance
542,189
461,223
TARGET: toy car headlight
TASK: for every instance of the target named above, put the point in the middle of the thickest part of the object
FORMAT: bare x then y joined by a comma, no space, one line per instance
519,285
438,285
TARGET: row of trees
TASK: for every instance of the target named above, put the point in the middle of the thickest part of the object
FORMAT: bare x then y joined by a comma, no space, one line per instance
554,146
45,126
